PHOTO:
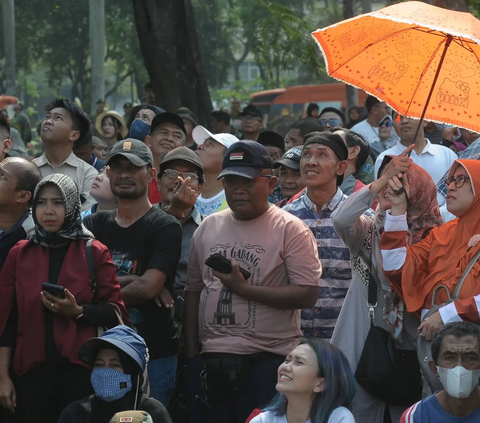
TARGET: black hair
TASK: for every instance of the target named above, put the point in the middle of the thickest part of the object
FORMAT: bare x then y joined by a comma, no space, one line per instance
137,108
28,176
311,107
371,102
307,125
458,330
88,139
4,126
80,120
221,115
352,139
148,86
333,110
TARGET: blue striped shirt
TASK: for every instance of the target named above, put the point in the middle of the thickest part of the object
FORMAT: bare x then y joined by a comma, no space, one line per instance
320,320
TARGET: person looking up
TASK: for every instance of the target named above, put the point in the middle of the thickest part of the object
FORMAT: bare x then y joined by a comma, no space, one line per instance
102,193
323,163
309,390
99,148
330,117
141,121
119,358
111,126
456,362
211,149
64,124
167,132
145,244
252,122
299,129
368,128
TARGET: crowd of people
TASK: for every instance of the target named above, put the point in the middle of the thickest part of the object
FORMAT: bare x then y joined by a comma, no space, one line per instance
157,269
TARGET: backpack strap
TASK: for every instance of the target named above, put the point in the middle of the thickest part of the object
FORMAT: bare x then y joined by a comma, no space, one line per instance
456,293
91,269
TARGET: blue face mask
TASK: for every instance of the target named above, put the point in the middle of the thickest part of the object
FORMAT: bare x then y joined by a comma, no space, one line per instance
109,384
139,130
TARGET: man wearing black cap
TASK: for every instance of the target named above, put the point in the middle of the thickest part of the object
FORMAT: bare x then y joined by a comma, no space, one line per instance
248,323
180,181
167,132
252,122
145,244
290,178
324,160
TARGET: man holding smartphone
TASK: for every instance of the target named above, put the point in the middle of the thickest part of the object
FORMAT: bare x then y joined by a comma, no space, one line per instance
239,330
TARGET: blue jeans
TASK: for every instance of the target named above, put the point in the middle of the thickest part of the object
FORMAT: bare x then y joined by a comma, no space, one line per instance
161,376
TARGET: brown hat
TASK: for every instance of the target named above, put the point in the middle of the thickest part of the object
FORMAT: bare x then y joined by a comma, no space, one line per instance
132,417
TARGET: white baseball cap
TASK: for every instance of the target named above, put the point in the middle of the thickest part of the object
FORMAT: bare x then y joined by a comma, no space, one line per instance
200,135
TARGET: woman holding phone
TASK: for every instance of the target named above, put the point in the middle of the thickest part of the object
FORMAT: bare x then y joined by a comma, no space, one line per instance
48,308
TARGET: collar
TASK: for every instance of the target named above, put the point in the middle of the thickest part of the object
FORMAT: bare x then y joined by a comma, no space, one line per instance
94,160
17,225
70,160
427,149
331,204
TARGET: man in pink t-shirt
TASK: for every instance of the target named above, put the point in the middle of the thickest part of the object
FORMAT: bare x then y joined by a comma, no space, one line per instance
238,330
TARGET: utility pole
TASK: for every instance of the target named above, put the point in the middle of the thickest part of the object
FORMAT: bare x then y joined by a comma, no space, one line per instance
8,10
97,49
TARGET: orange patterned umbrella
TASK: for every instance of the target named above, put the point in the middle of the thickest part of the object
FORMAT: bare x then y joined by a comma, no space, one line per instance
421,60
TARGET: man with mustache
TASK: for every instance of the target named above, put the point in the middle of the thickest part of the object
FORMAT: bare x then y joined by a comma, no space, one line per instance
145,244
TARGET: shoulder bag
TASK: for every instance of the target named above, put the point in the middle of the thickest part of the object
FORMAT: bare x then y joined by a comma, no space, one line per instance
424,350
387,373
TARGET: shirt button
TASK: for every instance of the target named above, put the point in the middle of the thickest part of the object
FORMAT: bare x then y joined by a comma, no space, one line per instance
319,222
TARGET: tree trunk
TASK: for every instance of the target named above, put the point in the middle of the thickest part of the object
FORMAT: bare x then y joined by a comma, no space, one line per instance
97,49
351,93
8,11
170,50
458,5
366,6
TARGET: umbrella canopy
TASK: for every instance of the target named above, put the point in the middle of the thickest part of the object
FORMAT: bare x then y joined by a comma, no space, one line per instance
403,53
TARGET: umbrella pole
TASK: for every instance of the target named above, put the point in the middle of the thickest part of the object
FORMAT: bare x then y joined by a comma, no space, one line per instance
439,68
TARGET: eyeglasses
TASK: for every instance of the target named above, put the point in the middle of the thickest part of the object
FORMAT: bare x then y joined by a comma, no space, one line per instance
459,181
236,182
387,122
331,122
174,174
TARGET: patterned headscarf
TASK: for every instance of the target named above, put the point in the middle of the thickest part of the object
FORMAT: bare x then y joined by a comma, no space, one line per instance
72,227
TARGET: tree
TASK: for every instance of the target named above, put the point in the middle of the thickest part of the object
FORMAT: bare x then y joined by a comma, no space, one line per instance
170,50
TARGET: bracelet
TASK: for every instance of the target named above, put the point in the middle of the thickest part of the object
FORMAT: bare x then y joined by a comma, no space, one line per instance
80,315
179,217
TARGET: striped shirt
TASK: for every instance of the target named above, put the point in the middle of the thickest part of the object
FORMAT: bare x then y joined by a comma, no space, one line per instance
429,410
320,320
394,252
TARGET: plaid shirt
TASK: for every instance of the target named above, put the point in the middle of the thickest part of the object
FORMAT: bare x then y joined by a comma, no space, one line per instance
320,320
471,153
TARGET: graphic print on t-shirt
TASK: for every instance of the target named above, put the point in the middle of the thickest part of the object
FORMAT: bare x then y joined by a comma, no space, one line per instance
123,264
222,310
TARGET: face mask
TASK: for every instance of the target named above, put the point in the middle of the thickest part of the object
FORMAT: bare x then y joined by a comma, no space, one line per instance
109,384
139,130
458,382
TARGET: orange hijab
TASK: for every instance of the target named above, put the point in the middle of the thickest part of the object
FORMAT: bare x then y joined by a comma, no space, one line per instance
449,253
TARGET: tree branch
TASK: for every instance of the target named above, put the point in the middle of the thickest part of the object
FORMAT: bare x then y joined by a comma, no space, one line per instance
118,83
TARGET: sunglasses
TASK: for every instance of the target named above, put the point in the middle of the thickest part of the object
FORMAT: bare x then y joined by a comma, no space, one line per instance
386,122
331,122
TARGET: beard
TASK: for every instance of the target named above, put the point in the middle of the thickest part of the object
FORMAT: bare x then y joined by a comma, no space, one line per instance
130,195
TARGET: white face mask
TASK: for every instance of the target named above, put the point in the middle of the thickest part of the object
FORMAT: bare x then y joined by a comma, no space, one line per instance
458,382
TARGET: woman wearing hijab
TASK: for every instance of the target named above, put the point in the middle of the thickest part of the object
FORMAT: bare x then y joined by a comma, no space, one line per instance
361,231
41,333
442,257
119,358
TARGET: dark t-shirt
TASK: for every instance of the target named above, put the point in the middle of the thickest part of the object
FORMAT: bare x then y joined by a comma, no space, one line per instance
153,242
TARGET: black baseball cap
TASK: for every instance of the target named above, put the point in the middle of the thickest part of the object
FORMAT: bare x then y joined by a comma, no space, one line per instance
331,140
252,110
170,118
290,160
272,139
246,159
181,153
134,150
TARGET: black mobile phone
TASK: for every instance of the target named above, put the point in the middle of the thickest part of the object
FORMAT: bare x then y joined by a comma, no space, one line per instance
55,290
223,265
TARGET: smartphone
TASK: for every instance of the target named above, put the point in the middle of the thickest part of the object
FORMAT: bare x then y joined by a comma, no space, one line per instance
223,265
55,290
